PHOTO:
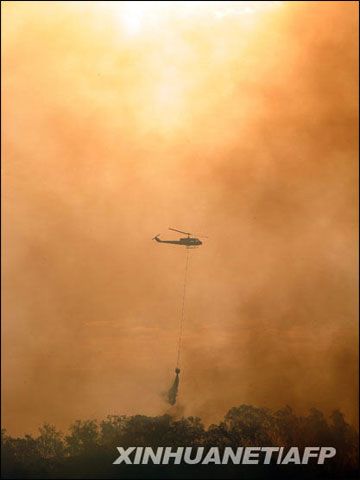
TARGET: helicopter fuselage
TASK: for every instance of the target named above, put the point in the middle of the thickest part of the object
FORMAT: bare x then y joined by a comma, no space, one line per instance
187,241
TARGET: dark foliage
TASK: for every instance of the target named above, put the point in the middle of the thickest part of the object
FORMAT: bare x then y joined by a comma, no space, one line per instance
89,448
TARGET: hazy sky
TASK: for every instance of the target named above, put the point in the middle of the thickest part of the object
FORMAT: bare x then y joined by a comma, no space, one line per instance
235,120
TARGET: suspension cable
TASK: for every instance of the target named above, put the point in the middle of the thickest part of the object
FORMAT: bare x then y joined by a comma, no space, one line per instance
181,320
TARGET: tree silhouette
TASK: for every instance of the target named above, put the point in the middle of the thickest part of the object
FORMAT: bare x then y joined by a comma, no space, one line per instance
89,448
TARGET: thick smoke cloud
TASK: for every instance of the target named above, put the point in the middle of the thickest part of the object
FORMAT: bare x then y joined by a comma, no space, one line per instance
243,129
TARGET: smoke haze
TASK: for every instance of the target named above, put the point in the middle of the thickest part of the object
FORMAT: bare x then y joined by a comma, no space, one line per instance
241,127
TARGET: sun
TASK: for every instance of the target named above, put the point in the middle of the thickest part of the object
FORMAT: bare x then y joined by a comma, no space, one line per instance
176,49
136,17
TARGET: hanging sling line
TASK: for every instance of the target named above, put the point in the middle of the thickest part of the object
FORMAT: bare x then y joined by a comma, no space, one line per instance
181,320
172,394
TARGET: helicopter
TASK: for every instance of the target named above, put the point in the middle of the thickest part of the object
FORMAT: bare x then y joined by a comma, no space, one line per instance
188,242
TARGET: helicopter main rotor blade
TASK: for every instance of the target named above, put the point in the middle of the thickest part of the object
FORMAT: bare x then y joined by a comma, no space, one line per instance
180,231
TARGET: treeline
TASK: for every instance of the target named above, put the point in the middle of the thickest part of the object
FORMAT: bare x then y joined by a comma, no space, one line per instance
88,450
